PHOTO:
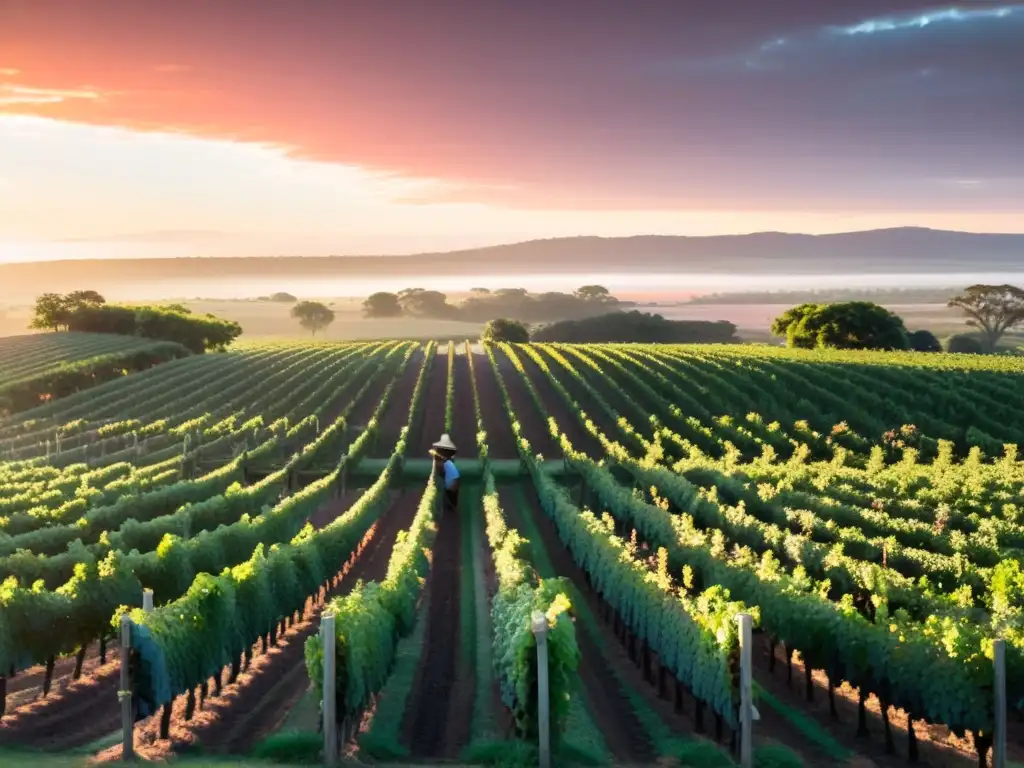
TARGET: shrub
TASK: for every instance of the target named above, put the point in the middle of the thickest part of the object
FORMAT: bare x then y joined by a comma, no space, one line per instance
293,747
504,329
636,326
843,325
924,341
964,344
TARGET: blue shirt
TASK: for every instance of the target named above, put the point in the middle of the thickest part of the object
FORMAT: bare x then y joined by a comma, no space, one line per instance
451,473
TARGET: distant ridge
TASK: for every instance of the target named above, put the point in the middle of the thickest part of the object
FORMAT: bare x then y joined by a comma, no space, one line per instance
909,250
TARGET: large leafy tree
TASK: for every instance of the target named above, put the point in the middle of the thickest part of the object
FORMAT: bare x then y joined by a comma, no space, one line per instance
992,309
53,311
313,316
504,329
845,325
593,293
382,304
924,341
50,313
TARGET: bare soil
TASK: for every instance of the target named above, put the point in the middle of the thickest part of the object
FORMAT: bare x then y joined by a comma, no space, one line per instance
500,441
85,710
580,394
568,422
464,416
27,686
439,711
937,746
434,401
396,413
531,422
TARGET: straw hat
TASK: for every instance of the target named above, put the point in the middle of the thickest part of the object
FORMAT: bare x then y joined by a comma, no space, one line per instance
445,444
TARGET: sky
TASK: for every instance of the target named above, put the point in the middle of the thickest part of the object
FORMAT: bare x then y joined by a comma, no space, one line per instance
265,127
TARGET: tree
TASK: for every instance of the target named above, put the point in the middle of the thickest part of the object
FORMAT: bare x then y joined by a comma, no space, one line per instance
992,309
282,297
963,344
51,312
636,326
416,301
593,293
924,341
504,329
312,315
78,299
846,325
382,304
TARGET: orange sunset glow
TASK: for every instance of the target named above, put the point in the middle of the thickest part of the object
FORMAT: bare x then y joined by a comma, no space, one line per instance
245,128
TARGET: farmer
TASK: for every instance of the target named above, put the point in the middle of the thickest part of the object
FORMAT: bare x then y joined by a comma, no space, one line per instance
443,453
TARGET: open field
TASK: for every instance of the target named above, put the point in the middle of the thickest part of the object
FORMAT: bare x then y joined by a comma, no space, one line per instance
864,506
266,321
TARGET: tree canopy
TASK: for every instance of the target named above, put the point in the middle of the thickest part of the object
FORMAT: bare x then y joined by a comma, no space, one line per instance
924,341
593,293
382,304
312,315
992,309
53,311
504,329
845,325
636,327
168,323
964,344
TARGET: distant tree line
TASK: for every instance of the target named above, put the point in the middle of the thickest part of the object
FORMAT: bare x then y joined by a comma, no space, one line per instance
483,305
88,311
621,327
829,295
991,309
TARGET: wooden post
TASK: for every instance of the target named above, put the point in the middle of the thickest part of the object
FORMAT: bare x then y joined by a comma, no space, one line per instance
127,715
540,631
746,703
147,600
999,744
329,704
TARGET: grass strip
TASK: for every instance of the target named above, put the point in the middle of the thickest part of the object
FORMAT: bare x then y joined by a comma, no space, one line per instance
485,723
383,740
805,725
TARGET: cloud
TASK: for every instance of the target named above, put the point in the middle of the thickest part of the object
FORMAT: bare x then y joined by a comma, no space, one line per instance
946,16
172,68
9,72
20,94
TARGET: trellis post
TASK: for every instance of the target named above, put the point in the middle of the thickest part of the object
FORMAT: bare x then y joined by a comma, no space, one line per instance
125,693
999,742
746,700
540,631
330,701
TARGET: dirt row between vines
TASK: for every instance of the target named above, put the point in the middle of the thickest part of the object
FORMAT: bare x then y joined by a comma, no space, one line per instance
568,422
258,702
501,442
531,421
396,412
439,711
464,413
434,402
